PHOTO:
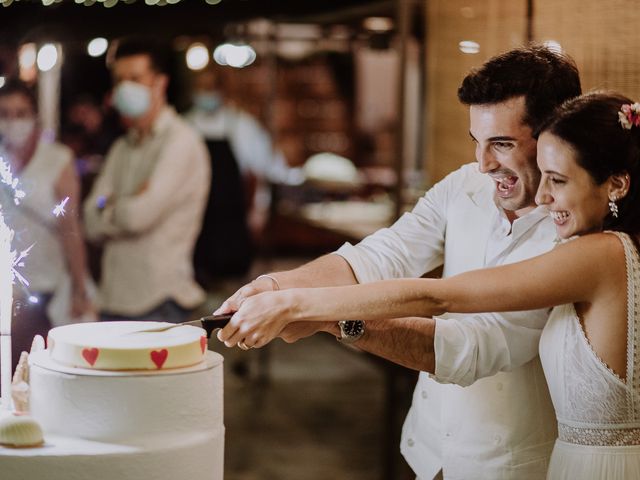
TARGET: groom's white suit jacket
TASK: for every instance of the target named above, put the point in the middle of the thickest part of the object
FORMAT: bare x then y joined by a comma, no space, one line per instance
497,421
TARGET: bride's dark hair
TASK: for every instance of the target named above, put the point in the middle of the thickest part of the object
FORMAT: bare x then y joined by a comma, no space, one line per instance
590,124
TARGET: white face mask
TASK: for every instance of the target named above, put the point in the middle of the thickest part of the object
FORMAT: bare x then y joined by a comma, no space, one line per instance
132,99
207,101
16,133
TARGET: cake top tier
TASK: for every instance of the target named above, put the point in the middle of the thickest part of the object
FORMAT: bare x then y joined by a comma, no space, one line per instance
127,345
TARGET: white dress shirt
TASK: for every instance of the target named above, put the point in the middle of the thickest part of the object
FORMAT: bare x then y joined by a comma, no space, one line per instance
250,142
157,190
486,413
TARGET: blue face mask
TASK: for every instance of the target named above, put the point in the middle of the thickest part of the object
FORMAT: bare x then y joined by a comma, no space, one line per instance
207,101
132,99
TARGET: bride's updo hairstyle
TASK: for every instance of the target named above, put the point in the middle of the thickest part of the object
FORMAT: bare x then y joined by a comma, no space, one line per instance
605,144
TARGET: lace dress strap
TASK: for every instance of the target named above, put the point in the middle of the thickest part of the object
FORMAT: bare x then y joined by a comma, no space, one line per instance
633,328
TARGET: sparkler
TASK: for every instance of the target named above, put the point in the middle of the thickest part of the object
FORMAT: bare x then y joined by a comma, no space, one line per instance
7,257
9,261
59,208
7,178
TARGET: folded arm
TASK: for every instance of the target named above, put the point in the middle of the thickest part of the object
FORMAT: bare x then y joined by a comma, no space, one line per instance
176,164
111,215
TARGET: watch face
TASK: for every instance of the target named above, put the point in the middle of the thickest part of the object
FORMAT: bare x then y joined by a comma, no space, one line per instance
353,328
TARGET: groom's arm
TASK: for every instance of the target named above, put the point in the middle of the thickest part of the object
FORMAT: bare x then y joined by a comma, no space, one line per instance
457,350
406,341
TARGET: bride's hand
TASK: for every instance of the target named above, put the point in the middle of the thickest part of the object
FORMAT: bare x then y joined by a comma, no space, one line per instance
259,319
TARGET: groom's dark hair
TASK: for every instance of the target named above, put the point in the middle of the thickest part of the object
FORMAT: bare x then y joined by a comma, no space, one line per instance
544,77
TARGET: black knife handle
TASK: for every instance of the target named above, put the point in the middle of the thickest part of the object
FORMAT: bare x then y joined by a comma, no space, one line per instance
211,322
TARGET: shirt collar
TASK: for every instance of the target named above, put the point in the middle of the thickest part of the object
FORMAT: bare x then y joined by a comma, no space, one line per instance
161,123
522,224
482,194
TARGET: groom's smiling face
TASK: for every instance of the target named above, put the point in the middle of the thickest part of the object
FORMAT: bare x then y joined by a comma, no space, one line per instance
506,151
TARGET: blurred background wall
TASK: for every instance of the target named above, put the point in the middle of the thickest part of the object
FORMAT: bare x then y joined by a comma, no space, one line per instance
602,37
489,27
325,80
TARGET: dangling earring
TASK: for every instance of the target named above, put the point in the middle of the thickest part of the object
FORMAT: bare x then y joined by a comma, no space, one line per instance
613,207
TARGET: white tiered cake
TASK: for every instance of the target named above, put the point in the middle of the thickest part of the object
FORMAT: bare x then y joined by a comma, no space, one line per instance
117,401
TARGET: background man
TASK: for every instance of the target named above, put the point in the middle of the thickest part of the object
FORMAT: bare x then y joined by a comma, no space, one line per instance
501,426
148,201
245,160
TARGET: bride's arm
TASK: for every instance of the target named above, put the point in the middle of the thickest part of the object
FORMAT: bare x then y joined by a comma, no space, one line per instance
574,272
571,273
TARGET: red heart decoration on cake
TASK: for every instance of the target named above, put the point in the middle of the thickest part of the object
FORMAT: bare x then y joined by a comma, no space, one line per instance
90,355
159,357
203,343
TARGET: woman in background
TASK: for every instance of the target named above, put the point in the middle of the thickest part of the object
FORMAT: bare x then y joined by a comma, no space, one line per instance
47,218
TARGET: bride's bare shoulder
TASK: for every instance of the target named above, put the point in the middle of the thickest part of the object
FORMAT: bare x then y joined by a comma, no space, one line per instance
602,245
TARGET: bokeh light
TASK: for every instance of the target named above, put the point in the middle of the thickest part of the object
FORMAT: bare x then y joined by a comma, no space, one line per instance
469,46
97,47
237,56
378,24
27,55
27,62
47,57
197,56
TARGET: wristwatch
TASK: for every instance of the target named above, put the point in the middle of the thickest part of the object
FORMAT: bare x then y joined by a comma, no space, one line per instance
350,331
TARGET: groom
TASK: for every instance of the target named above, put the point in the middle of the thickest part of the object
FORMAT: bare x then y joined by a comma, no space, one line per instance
501,425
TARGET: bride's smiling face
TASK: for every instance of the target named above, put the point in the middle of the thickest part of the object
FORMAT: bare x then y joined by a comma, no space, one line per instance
575,202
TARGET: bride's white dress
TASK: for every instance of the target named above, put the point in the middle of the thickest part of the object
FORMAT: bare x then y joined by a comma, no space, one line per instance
598,412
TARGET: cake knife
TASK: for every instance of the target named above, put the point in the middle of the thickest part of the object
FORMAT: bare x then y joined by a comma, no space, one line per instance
209,323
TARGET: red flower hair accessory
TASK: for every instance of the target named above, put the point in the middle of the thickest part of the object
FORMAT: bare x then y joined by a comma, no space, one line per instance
629,115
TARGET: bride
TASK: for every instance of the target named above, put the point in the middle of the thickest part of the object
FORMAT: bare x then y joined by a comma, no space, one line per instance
589,158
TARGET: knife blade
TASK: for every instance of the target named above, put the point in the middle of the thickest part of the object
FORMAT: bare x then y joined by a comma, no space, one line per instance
209,323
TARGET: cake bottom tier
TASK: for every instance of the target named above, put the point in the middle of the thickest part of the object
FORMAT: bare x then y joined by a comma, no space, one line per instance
193,456
115,406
